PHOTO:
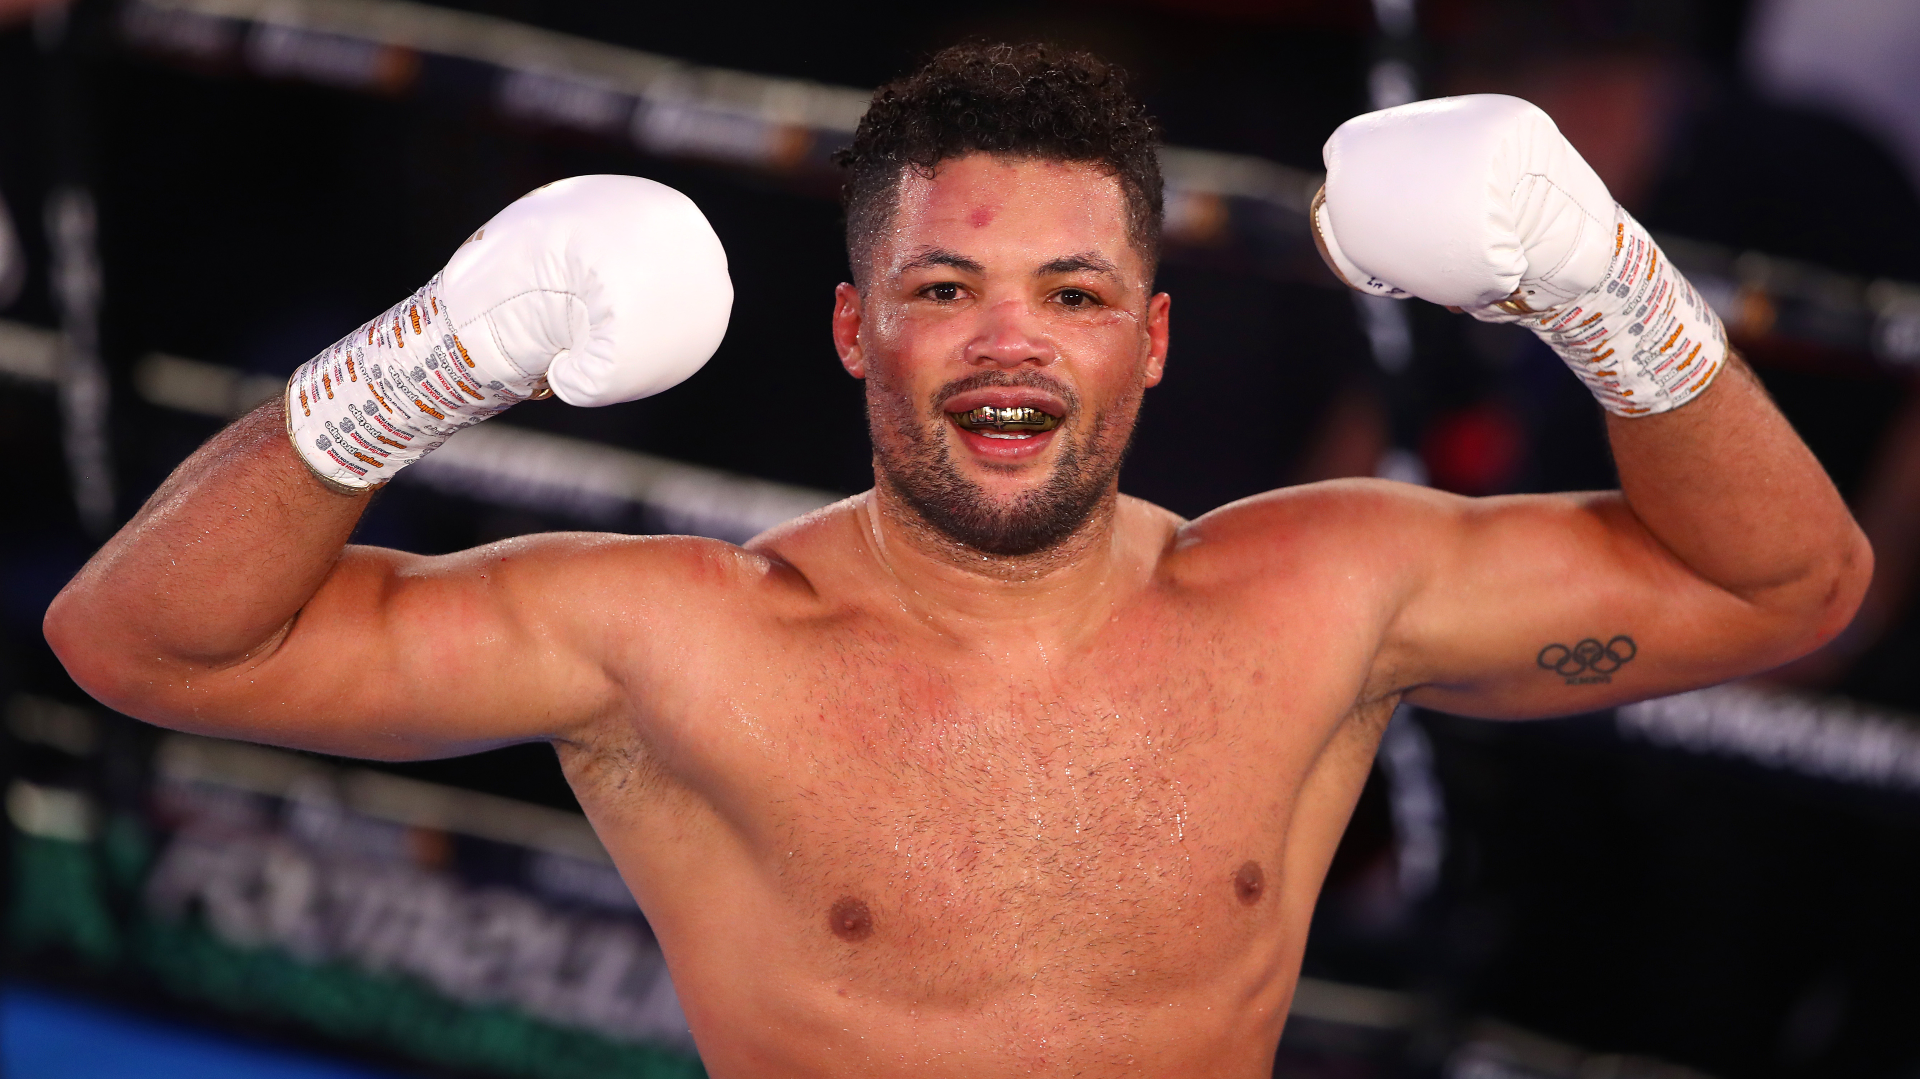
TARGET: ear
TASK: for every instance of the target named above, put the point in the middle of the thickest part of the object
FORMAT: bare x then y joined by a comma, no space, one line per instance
846,330
1158,310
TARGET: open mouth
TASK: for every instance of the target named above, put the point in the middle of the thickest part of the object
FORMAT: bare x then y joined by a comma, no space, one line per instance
1016,422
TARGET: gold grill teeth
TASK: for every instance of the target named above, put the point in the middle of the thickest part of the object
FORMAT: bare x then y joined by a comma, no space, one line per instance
1018,417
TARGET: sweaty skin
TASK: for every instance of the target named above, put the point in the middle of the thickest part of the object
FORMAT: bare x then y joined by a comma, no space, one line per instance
897,806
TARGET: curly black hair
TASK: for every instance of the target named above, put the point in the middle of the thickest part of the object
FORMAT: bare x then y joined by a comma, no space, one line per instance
1030,100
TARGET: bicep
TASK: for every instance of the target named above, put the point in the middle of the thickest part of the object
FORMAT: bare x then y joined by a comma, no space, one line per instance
406,656
1549,605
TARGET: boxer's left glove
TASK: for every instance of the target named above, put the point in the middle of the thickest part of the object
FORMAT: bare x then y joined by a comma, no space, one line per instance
598,289
1480,203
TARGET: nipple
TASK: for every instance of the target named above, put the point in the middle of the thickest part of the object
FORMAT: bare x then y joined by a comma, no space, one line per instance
1248,883
850,920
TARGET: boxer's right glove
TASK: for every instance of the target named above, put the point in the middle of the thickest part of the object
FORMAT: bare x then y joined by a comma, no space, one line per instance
598,289
1480,203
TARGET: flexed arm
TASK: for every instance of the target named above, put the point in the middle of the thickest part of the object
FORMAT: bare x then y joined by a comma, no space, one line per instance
1727,550
230,604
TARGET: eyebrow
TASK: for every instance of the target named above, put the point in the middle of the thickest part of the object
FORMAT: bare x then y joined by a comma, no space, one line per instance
1084,261
1072,264
932,257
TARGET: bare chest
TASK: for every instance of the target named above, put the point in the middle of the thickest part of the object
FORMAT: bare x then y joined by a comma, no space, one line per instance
953,824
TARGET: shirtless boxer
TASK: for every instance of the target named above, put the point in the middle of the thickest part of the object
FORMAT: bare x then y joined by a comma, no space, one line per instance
990,769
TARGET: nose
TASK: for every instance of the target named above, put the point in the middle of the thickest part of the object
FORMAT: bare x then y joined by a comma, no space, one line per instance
1009,336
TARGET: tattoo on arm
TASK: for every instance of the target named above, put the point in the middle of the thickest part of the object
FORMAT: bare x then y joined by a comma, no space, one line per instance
1588,661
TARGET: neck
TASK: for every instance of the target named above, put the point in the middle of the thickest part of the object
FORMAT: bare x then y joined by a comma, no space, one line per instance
963,590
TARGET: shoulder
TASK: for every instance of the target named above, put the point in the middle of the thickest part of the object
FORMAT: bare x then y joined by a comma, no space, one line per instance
559,558
1347,519
1322,571
1357,545
794,564
589,579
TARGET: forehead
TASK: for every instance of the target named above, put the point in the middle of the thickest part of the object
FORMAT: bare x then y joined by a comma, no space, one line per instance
977,202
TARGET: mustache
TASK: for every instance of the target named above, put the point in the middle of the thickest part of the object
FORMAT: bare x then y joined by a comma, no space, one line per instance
1034,380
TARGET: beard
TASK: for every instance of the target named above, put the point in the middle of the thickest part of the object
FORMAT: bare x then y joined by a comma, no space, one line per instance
912,457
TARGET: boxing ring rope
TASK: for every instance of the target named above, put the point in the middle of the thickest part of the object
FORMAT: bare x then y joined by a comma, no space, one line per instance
1826,738
500,463
789,128
350,851
1251,209
546,967
785,127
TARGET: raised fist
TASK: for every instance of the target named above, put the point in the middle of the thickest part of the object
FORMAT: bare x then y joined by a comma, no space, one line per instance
1480,203
599,289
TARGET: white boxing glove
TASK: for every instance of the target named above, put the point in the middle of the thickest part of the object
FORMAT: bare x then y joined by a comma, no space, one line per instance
599,289
1480,203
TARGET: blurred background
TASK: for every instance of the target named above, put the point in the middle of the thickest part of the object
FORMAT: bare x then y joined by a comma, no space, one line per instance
201,194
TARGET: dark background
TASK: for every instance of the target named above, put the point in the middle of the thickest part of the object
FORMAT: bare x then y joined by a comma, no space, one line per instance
1708,913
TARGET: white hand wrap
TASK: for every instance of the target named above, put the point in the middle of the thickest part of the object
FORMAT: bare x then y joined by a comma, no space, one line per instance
1642,340
385,395
604,288
1479,202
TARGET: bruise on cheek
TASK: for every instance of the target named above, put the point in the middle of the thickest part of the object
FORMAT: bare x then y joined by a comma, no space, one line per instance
849,919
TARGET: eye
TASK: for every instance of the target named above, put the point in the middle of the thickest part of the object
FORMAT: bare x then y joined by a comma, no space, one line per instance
1076,298
944,292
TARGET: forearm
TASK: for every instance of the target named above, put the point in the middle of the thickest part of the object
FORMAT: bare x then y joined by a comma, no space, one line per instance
231,604
211,570
1729,489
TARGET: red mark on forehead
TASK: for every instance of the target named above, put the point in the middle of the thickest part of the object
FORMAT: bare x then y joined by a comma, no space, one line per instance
980,216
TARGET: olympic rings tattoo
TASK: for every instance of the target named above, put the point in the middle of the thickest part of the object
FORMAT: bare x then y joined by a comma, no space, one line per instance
1588,661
